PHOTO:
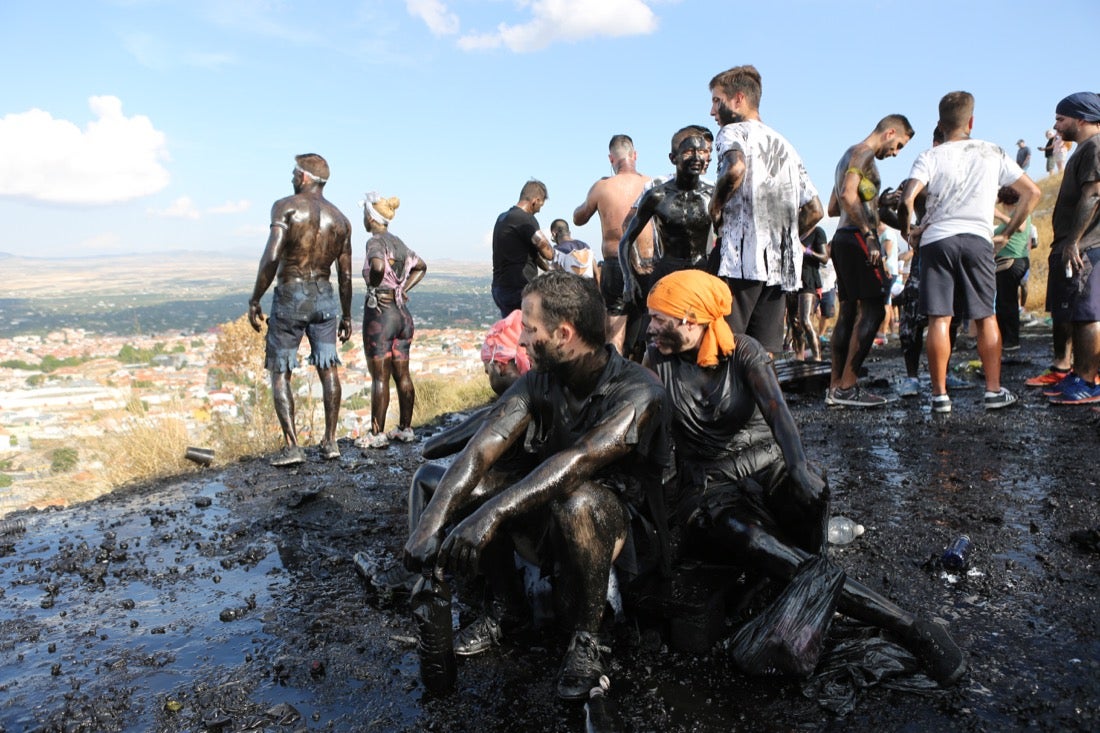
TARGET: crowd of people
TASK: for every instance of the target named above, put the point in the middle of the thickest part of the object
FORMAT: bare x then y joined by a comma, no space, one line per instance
639,420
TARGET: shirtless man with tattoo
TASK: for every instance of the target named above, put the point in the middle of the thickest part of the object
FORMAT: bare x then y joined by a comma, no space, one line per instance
858,257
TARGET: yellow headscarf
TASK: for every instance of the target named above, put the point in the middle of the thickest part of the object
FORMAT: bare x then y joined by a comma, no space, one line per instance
699,298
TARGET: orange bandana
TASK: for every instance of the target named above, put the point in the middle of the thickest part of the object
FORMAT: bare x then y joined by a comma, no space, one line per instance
698,297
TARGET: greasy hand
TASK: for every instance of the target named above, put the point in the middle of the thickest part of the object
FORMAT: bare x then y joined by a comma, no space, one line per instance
889,198
461,551
1071,257
421,551
632,290
255,315
874,251
344,332
810,486
715,210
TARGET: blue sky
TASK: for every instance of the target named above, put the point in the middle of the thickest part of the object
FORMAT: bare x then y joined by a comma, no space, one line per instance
152,125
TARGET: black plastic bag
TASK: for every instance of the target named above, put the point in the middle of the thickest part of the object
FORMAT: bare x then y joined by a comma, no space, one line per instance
861,657
788,636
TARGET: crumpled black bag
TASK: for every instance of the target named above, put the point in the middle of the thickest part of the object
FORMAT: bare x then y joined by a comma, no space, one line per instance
861,657
787,638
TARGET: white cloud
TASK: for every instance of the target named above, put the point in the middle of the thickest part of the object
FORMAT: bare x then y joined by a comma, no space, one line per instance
567,20
440,20
114,158
231,207
181,208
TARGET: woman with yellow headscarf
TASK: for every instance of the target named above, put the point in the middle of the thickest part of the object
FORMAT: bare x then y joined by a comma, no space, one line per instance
747,494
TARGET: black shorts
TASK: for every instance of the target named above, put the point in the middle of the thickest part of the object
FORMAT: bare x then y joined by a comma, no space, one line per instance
387,331
1074,299
856,279
758,310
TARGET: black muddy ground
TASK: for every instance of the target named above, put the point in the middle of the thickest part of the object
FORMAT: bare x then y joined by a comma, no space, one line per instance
229,600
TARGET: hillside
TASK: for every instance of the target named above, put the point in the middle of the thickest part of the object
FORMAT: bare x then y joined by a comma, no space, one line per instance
1037,280
231,599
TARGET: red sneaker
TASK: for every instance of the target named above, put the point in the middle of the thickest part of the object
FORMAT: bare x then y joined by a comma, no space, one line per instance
1048,378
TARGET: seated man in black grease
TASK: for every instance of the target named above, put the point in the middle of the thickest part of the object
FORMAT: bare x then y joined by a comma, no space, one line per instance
595,426
748,494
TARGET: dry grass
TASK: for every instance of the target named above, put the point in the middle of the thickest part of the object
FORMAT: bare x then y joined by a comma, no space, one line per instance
255,433
435,397
148,448
1037,280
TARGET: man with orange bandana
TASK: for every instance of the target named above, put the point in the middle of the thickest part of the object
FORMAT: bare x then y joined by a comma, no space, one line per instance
747,493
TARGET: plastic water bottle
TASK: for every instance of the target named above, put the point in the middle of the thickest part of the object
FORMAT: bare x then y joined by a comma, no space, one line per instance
957,554
12,526
843,530
431,608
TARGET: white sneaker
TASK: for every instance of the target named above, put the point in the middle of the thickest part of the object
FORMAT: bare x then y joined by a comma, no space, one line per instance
405,435
372,440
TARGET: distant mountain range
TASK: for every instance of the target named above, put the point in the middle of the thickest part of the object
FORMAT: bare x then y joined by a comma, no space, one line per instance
160,272
193,291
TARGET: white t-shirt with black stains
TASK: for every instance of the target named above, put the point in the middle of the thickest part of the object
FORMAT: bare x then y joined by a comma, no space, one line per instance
759,231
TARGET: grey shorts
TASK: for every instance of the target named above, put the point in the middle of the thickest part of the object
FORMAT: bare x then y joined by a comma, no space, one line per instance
302,308
957,277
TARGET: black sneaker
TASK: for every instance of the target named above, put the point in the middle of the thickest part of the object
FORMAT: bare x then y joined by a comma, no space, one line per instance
478,637
289,456
581,669
856,397
941,657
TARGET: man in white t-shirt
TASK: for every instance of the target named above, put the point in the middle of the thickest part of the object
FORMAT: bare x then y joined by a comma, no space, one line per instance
956,239
763,203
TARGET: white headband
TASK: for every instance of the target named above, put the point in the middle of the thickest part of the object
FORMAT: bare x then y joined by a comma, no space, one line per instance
368,204
307,174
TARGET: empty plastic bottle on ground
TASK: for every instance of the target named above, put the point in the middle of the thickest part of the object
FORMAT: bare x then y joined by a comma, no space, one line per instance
957,555
843,530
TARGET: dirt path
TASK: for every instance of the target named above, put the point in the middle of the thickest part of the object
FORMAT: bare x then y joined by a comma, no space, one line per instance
229,601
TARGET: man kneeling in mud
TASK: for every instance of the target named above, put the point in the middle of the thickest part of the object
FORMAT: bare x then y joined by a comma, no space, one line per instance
748,495
595,428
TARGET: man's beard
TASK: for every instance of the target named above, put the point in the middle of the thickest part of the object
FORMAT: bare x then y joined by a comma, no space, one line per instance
545,357
727,116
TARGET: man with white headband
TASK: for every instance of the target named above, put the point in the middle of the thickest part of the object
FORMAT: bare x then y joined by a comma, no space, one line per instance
308,235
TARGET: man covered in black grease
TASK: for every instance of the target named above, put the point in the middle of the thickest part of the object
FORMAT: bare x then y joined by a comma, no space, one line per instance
595,426
680,208
748,495
308,236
